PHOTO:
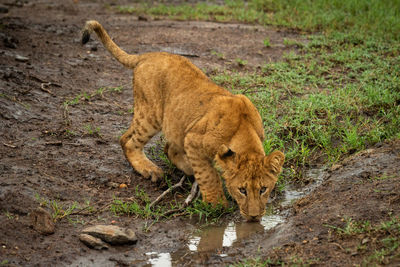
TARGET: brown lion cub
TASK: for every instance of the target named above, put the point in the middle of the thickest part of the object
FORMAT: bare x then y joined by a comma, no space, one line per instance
204,125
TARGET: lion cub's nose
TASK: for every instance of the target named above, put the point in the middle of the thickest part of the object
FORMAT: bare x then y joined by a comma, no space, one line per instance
253,218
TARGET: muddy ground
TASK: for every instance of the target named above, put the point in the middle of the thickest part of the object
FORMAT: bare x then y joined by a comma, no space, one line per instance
59,142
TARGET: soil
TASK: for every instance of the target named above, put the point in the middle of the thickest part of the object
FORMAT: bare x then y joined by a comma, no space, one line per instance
59,144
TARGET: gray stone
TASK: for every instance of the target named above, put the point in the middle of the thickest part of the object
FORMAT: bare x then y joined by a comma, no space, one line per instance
112,234
42,221
93,242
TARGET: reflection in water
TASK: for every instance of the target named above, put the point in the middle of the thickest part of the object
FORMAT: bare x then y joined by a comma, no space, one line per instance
217,237
214,238
159,259
229,235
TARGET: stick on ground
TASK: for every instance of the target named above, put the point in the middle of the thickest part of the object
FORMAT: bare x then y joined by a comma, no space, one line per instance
179,184
193,194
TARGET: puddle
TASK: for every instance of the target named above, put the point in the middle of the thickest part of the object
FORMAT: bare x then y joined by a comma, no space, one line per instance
159,259
215,239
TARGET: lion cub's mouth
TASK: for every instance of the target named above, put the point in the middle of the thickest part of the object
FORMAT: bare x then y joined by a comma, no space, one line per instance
249,218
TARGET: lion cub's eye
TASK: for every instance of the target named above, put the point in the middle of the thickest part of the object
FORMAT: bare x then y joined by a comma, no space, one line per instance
262,190
243,191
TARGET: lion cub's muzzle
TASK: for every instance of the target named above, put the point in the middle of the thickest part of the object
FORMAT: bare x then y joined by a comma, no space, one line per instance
252,218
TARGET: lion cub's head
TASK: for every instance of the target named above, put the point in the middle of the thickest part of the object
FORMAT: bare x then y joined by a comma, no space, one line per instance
250,179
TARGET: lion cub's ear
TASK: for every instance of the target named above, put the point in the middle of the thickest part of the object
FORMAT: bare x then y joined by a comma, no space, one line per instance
274,162
225,152
225,157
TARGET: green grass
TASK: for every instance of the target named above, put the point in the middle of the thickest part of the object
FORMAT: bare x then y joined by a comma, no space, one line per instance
267,42
92,130
338,95
352,227
379,244
259,262
375,17
207,213
139,206
87,96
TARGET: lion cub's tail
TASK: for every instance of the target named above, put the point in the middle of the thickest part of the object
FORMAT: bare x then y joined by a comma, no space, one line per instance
127,60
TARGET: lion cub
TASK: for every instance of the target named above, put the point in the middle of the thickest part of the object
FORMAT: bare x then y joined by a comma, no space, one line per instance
204,124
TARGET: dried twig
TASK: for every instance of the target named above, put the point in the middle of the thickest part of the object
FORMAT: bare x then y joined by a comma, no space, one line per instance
173,211
338,245
55,143
193,194
43,87
94,211
9,145
179,184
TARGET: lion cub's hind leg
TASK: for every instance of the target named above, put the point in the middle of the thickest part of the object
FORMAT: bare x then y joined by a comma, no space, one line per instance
133,141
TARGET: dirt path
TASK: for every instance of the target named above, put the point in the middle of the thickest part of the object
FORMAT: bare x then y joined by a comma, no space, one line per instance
64,106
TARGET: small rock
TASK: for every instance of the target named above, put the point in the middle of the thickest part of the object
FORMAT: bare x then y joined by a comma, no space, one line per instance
113,185
103,180
42,221
21,58
93,48
112,234
8,41
143,18
93,242
335,167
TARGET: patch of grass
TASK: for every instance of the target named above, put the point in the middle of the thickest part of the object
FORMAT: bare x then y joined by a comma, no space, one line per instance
241,62
59,211
267,42
87,96
138,206
218,54
9,215
259,262
41,200
292,42
380,244
376,18
70,133
384,177
336,97
352,227
206,212
120,207
256,262
91,130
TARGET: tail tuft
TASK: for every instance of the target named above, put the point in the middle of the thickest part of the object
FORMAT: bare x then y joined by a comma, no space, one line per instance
129,61
85,36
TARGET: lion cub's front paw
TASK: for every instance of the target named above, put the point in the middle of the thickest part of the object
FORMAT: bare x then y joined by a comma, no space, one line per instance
154,172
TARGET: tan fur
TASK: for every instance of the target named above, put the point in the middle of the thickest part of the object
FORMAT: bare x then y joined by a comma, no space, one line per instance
204,125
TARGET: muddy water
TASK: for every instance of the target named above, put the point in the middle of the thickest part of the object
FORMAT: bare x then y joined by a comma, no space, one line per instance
213,240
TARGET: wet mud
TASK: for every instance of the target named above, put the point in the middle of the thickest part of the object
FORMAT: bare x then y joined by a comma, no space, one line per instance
64,106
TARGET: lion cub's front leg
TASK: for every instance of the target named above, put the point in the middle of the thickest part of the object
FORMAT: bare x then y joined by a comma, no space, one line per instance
178,157
206,176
